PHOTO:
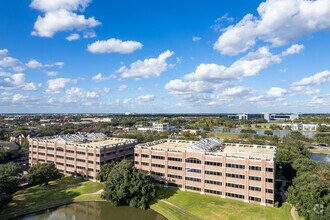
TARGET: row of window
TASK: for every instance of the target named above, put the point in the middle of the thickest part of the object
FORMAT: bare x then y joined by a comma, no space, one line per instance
237,166
234,195
215,173
213,182
213,191
233,185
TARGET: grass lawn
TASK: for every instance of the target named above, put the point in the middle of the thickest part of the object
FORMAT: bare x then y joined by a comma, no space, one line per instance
210,207
225,135
60,192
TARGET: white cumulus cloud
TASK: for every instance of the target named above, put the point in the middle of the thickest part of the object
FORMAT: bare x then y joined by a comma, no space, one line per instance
147,68
114,46
279,22
58,84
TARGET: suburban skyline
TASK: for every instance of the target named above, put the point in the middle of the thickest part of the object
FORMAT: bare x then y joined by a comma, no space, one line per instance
73,56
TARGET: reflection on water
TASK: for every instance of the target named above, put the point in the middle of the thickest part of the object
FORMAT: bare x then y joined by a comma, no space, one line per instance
94,210
320,157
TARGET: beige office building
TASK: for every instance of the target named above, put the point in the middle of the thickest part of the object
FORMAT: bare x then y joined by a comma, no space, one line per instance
80,154
239,171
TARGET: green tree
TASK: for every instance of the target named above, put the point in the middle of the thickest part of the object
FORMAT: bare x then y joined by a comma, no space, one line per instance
127,185
268,132
105,171
310,195
9,180
43,173
5,155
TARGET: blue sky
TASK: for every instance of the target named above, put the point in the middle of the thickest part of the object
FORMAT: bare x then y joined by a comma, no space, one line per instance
165,56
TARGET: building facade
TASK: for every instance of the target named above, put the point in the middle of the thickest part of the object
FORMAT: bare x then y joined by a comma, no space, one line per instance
273,117
243,116
78,154
304,127
160,127
238,171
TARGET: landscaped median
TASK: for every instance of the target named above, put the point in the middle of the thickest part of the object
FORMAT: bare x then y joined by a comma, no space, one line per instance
56,193
210,207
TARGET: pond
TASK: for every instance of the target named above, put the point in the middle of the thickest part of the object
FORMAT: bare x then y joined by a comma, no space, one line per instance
94,210
320,157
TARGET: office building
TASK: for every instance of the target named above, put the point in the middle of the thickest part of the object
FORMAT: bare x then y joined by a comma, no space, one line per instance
274,117
80,154
209,166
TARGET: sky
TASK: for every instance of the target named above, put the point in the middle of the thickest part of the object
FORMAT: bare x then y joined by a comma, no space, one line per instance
196,56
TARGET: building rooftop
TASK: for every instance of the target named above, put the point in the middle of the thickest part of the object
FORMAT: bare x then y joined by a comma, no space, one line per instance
92,140
215,147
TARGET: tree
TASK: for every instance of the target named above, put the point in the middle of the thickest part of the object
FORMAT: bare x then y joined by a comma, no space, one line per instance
127,185
310,195
268,132
104,172
43,173
5,155
9,180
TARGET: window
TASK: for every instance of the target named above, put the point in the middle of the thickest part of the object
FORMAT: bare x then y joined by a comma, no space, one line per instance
80,167
90,154
145,155
255,178
269,201
237,166
50,155
69,165
50,148
59,163
41,154
193,160
90,169
215,173
269,180
136,155
174,185
157,173
174,176
235,195
91,162
193,179
269,169
157,165
174,159
190,170
193,188
213,182
269,191
69,151
59,156
255,188
213,191
213,163
254,168
40,147
81,160
233,185
41,160
256,199
59,149
81,153
157,157
232,175
69,158
174,168
144,164
136,162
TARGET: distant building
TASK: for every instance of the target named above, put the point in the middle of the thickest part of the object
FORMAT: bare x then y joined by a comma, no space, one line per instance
209,166
304,127
273,117
130,113
243,116
160,127
79,154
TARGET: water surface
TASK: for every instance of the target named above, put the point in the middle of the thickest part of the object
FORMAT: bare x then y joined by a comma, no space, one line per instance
94,211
